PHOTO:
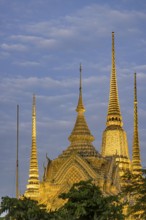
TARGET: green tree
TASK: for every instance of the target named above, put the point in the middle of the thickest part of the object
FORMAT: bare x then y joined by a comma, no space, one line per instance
134,191
86,202
23,209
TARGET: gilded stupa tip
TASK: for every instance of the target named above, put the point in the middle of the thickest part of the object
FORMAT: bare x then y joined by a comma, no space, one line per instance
80,106
135,89
34,100
80,69
136,162
114,115
81,131
34,119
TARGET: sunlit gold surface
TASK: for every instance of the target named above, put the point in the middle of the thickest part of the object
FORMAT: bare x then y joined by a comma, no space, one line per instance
33,181
136,163
80,161
114,140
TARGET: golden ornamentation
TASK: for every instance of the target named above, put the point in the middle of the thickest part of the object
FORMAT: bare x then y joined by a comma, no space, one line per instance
81,161
114,140
33,181
136,163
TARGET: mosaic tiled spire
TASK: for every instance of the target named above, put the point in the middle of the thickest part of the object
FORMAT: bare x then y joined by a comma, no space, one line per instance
33,181
136,163
114,115
114,139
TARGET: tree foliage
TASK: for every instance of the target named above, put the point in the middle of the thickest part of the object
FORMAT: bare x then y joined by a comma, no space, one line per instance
24,209
134,192
86,202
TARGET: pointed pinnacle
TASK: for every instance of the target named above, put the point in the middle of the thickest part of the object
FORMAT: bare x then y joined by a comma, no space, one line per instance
33,181
136,162
80,106
135,89
114,115
80,77
80,131
34,119
34,100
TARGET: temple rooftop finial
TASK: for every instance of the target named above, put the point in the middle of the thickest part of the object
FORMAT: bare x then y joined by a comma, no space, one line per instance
114,115
81,131
80,106
80,76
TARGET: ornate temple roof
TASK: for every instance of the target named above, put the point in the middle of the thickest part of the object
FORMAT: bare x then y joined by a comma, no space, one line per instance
81,138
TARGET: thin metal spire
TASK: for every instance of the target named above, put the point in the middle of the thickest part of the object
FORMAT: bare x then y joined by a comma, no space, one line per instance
80,77
17,156
136,162
114,115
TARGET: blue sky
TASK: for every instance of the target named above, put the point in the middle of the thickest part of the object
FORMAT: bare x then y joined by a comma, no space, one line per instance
42,43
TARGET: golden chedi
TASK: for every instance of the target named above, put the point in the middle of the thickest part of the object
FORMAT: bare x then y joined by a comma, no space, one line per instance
114,140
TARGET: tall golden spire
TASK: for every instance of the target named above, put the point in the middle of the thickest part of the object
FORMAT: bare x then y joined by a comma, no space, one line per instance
33,181
114,115
114,139
136,163
81,138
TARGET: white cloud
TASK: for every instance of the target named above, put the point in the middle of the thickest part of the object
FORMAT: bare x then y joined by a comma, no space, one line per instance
94,80
98,18
14,47
141,76
54,98
40,42
27,63
47,82
4,54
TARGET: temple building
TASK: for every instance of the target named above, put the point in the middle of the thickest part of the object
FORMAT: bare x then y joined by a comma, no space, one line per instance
80,160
